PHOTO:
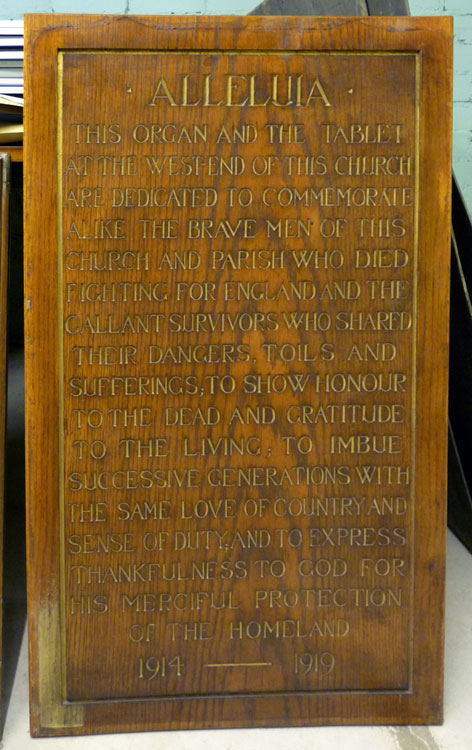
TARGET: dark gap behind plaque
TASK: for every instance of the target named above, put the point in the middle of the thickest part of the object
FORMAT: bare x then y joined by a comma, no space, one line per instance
460,388
14,607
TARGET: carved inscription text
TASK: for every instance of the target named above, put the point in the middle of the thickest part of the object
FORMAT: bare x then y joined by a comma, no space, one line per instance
238,271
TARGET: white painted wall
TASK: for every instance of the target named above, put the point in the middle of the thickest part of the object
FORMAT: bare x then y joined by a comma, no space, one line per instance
462,12
460,9
15,8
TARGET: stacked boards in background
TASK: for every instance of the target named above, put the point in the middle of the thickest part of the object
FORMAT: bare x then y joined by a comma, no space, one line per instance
11,82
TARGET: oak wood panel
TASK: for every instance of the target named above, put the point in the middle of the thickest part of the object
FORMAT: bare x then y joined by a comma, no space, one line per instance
68,646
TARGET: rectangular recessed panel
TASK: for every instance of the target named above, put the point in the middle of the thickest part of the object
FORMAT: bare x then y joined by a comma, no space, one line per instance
237,372
235,303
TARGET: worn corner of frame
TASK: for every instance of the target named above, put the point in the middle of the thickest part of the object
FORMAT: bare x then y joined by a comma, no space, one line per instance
54,713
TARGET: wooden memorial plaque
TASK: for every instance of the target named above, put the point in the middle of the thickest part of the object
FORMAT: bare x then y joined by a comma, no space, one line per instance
236,327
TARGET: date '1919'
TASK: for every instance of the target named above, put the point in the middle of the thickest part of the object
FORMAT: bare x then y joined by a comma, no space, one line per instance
310,661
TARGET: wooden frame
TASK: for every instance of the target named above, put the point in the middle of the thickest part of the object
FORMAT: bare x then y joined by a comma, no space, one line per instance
421,702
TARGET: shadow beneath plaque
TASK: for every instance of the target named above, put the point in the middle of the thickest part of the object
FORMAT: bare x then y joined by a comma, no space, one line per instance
14,581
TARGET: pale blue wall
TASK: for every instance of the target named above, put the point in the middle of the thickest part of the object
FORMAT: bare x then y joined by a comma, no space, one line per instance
462,12
460,9
15,8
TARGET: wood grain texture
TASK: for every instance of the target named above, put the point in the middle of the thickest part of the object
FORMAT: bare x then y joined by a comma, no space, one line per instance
387,669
